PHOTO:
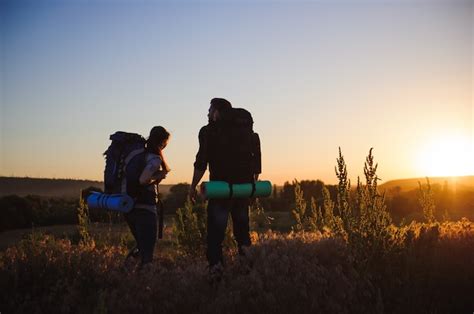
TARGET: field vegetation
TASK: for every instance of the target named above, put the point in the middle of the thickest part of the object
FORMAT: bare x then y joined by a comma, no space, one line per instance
339,253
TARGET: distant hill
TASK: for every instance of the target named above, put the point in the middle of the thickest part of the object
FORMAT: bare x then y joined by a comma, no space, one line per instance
51,187
465,183
71,188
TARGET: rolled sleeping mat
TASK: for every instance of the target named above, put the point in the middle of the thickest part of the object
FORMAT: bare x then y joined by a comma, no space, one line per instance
115,202
223,190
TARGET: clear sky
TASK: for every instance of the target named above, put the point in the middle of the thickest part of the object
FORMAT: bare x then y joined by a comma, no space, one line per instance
316,75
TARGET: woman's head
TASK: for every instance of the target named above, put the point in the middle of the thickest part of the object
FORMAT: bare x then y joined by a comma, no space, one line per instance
158,139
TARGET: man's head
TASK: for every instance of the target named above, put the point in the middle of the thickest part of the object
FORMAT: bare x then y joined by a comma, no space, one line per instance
218,105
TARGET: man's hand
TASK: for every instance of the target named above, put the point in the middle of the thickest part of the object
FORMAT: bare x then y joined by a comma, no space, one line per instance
197,176
192,194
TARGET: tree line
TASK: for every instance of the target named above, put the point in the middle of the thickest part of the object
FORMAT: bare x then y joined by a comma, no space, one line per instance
403,206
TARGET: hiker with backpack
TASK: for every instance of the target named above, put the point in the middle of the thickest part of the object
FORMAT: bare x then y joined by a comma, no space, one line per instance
232,150
135,166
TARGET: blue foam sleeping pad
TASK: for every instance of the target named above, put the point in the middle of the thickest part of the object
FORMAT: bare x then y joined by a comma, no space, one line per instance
115,202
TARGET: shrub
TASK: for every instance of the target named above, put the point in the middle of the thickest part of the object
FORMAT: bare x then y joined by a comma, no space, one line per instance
259,220
369,232
190,228
426,201
83,225
299,213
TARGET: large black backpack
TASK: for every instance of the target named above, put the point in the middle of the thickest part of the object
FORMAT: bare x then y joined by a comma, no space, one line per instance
124,163
236,147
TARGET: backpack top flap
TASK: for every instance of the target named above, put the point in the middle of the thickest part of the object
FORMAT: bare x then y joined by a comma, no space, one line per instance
237,118
122,145
127,141
232,153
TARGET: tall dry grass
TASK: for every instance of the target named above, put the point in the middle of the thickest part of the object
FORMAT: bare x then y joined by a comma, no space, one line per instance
429,270
342,257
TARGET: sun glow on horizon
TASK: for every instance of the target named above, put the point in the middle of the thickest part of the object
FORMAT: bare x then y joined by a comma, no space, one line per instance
447,155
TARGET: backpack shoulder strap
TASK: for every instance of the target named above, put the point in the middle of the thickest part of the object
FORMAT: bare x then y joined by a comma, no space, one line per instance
132,154
127,160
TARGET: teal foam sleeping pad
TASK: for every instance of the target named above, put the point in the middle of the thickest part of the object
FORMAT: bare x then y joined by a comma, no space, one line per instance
221,189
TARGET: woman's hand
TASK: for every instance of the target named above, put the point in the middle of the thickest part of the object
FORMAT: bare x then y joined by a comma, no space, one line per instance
160,175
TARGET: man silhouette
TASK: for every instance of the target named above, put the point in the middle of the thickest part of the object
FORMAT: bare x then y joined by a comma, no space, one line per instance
232,150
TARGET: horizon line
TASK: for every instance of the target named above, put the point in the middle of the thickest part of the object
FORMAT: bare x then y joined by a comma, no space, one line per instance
290,181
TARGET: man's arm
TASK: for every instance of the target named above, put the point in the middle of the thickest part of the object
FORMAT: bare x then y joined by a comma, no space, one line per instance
257,155
197,176
200,165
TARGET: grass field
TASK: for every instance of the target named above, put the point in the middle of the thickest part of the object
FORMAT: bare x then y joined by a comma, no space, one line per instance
112,233
346,256
427,269
282,221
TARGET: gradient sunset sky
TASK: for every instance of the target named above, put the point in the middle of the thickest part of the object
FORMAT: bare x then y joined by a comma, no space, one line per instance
316,75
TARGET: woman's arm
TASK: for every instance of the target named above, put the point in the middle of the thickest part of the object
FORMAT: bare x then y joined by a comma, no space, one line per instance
164,163
152,173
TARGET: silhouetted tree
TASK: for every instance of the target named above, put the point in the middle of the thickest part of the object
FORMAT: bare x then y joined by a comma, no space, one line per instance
176,197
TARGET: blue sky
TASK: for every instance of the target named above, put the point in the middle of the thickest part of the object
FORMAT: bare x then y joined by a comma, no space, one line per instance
316,75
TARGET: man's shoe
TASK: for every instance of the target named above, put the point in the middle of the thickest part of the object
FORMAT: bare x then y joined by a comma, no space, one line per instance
215,273
245,265
146,268
131,259
135,252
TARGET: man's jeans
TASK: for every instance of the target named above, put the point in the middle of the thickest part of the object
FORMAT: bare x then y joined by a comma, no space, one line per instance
217,216
143,226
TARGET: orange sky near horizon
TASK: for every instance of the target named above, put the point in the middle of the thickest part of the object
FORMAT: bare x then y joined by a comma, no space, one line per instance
316,76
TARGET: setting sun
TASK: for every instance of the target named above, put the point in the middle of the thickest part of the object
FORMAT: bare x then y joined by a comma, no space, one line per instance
447,156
